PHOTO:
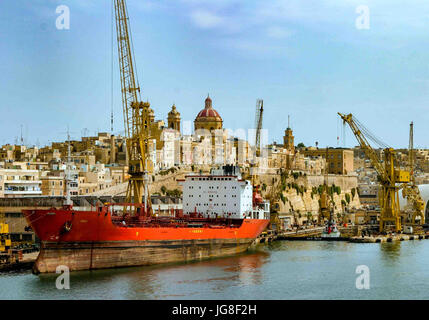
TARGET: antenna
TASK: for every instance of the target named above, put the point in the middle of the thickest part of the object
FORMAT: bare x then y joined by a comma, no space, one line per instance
111,122
411,151
112,67
338,133
22,139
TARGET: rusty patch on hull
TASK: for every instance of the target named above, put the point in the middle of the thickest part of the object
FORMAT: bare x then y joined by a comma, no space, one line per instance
112,254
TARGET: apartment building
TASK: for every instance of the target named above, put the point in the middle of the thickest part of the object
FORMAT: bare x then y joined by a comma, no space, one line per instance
340,160
16,180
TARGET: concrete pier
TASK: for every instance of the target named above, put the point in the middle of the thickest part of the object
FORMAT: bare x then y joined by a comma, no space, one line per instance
26,263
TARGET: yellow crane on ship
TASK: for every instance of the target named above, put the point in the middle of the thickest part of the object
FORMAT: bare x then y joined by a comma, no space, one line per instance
410,190
390,177
136,113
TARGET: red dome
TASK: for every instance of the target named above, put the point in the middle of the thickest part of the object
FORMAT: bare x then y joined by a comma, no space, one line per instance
208,111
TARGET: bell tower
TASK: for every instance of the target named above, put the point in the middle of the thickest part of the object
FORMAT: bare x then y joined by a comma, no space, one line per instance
173,119
288,138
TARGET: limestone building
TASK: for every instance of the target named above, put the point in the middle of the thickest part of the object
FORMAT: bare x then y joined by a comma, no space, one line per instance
340,161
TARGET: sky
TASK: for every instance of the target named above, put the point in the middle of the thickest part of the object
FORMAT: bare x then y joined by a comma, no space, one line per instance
307,59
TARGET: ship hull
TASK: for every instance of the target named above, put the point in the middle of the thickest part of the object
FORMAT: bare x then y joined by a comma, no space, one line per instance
94,242
99,255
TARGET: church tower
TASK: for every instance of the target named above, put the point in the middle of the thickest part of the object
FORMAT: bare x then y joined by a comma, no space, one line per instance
173,119
288,138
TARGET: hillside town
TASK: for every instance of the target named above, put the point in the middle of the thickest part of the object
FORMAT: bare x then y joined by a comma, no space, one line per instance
291,174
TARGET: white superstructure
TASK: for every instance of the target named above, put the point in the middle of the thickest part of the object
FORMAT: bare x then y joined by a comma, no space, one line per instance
223,193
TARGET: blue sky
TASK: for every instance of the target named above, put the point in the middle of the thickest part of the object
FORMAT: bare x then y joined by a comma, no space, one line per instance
304,58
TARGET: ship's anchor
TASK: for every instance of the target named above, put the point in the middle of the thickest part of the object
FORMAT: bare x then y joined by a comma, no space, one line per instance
67,226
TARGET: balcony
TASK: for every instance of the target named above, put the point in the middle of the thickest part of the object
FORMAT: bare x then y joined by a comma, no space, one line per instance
23,182
24,192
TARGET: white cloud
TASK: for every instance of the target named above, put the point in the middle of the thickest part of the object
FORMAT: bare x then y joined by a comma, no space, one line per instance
206,19
278,32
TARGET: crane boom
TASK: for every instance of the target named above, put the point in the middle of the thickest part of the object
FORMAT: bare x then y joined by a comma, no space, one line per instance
136,113
363,142
258,125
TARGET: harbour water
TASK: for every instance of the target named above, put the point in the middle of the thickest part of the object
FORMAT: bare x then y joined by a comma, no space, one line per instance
280,270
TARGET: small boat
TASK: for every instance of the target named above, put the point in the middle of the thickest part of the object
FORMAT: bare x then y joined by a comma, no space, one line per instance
331,230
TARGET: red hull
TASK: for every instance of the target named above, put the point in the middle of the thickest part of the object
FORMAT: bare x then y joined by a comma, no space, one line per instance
91,240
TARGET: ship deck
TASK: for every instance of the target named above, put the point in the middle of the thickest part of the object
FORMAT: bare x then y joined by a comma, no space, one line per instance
176,222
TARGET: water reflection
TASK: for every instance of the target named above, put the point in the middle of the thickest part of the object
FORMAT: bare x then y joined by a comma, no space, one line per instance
390,251
155,282
281,270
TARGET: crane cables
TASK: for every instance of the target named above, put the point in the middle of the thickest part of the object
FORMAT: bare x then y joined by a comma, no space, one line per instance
133,57
368,134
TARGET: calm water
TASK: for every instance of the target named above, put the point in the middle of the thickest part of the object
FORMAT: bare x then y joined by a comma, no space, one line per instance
282,270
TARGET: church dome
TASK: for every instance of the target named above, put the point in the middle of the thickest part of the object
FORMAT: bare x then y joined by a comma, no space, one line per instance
208,112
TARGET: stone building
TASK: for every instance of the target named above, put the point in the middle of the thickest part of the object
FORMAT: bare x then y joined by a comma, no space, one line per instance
340,161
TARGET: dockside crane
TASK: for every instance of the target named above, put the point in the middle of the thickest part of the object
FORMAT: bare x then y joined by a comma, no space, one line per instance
258,126
136,114
254,167
389,176
410,190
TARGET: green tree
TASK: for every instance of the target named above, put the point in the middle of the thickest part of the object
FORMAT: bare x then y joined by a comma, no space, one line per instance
353,193
282,197
338,190
163,189
348,198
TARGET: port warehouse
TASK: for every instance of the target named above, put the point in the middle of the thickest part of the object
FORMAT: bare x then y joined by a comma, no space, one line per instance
12,208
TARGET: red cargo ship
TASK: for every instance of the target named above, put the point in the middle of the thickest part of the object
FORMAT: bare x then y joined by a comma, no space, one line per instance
103,237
